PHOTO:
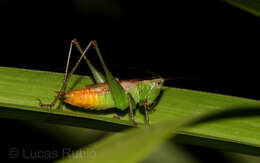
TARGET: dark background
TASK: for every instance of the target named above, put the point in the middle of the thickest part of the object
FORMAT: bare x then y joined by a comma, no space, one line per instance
213,45
210,43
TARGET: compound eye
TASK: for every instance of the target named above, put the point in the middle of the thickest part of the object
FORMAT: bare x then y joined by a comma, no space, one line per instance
159,83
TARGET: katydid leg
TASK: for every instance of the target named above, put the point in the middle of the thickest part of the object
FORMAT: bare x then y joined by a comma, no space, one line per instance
98,76
132,107
117,91
66,77
146,109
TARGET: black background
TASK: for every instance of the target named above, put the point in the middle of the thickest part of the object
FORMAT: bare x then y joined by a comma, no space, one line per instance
213,45
210,43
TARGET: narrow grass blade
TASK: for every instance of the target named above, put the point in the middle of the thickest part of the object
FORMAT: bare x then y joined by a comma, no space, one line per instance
134,145
251,6
20,88
128,147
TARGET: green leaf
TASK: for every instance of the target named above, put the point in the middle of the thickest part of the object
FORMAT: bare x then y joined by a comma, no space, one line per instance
134,145
251,6
20,88
130,146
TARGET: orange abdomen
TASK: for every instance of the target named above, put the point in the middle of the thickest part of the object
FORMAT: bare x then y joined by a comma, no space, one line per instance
89,99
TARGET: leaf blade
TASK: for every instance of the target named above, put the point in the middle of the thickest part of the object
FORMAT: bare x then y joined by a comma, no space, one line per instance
19,89
251,6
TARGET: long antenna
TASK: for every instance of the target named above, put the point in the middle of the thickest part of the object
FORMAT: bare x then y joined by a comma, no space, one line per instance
139,69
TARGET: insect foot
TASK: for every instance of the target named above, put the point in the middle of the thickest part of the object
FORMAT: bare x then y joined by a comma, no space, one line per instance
47,106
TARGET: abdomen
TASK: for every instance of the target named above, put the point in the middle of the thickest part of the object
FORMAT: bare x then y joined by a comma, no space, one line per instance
90,99
98,96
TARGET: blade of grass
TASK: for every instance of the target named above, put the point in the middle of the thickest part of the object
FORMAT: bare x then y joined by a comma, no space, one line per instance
251,6
130,146
135,144
19,89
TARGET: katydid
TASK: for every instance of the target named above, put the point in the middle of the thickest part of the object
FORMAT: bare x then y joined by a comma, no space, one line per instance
108,92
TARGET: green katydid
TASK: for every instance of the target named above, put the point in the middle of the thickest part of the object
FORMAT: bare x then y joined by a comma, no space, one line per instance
108,92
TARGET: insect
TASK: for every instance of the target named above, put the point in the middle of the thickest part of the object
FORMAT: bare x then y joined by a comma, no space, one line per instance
108,92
